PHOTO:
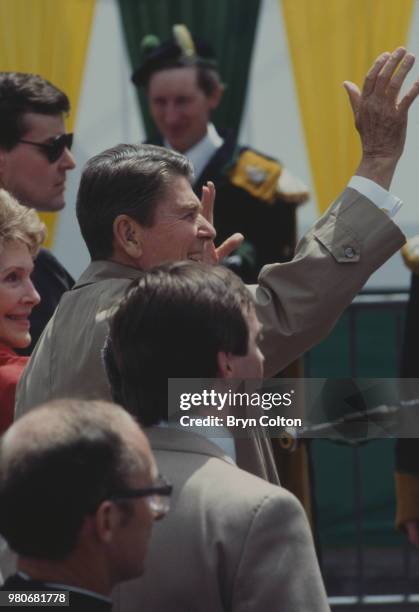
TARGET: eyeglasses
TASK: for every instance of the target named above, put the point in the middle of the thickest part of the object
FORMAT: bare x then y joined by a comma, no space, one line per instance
54,149
158,496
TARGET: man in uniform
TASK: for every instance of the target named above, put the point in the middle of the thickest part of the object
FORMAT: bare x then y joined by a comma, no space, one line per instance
256,195
34,160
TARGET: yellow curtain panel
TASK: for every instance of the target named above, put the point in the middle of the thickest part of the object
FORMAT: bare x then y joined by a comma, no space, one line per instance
50,38
331,41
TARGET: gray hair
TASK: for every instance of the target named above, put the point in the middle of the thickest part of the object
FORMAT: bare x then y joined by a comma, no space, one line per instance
127,179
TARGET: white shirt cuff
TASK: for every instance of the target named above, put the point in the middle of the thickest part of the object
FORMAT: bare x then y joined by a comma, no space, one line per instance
377,194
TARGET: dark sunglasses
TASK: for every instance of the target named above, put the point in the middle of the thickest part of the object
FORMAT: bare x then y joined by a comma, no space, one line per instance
53,150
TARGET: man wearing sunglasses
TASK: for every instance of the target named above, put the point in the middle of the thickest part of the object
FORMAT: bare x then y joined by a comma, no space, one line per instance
34,159
79,493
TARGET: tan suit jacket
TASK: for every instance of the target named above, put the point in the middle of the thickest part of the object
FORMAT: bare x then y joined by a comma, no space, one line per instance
297,302
231,542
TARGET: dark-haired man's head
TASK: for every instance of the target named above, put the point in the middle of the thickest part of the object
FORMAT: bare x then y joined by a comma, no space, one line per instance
184,320
135,206
65,469
183,87
181,106
34,148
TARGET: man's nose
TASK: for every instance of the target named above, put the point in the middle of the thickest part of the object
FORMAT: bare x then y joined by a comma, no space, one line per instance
67,160
171,115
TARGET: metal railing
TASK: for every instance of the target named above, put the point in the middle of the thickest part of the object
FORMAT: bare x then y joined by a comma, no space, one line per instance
361,577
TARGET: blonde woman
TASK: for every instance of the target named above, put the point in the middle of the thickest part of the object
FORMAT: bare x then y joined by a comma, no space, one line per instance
21,235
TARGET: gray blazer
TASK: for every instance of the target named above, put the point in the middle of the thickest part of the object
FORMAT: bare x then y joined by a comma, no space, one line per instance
231,541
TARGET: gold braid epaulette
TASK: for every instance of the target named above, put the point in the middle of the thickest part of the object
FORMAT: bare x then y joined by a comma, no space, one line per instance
266,179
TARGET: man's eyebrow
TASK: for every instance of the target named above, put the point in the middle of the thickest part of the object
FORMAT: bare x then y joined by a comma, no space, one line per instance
190,205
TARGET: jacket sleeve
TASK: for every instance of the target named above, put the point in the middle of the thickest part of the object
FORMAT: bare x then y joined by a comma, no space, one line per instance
278,569
299,302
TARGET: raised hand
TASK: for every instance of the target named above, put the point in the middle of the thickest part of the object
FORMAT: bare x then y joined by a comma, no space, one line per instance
381,115
214,255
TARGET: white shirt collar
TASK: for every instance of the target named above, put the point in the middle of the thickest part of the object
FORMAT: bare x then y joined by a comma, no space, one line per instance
200,154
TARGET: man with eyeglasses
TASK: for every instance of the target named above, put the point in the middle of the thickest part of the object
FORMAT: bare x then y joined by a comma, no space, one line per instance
79,493
34,159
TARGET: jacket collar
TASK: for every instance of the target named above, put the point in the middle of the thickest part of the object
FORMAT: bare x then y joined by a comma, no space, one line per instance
177,440
104,270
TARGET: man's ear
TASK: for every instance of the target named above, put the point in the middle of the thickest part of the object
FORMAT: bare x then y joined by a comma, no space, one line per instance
106,520
127,236
224,365
215,96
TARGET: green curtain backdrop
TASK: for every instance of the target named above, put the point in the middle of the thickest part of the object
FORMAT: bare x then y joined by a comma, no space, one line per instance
229,25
